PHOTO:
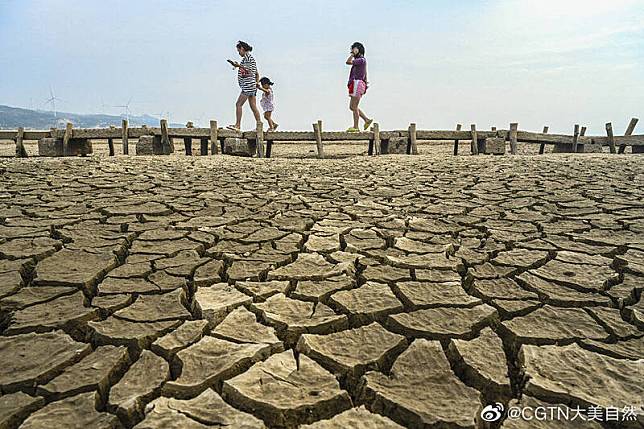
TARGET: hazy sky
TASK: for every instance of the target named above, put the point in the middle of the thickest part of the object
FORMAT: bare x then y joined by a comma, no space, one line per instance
433,62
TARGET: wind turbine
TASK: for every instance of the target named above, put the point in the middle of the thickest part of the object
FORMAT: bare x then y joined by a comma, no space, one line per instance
126,108
52,100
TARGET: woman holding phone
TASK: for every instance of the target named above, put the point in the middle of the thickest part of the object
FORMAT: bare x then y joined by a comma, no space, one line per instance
248,79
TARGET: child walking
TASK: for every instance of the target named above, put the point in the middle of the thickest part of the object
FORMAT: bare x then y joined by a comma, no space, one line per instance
357,85
247,77
265,85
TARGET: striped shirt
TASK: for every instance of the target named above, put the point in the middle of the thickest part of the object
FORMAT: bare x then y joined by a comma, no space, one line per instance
246,75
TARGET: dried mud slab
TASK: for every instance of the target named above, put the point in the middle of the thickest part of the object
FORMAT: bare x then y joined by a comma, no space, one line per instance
262,290
352,352
141,381
156,308
209,361
422,391
583,277
188,333
132,334
418,295
483,363
38,248
561,374
293,317
560,295
32,359
549,325
502,288
77,411
94,372
308,266
73,268
241,326
213,303
385,273
209,273
355,418
444,322
28,296
367,303
10,283
521,258
320,290
628,349
15,407
286,392
205,411
67,312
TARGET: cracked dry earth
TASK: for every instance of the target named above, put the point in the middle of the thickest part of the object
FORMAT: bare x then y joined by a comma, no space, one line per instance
356,293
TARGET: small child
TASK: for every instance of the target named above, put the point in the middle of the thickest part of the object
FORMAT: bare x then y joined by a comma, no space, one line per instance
266,101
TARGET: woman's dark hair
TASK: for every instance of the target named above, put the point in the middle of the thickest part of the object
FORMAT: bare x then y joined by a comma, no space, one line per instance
360,47
245,46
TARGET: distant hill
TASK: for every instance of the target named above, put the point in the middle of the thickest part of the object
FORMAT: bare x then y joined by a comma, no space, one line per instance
14,117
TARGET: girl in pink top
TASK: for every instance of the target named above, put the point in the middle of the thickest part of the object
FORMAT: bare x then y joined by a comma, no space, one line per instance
357,85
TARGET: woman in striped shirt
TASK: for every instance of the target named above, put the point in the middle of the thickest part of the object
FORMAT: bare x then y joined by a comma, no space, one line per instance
248,78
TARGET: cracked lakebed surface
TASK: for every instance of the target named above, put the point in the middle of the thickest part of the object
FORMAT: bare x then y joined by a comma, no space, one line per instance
397,291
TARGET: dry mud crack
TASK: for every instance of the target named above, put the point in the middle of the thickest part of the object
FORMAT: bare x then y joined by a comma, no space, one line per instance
157,292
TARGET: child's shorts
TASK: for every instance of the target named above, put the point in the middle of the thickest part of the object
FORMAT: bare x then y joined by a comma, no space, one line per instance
357,88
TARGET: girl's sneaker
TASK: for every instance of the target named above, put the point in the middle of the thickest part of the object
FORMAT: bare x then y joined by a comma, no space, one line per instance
353,130
368,124
275,127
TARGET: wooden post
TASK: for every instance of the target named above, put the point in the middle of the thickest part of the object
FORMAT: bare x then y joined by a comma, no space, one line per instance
458,128
575,137
214,138
110,146
260,139
474,145
514,129
204,146
165,139
412,148
611,138
187,141
125,137
631,127
21,152
376,138
269,148
542,148
582,132
317,130
66,137
493,128
320,127
629,131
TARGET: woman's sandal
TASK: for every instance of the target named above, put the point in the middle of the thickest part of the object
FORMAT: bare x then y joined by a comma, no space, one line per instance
232,128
